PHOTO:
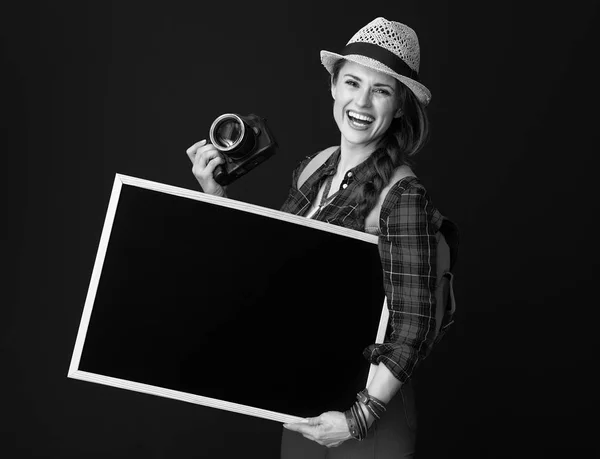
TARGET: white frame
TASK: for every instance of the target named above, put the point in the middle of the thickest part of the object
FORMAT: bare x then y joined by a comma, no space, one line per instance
120,180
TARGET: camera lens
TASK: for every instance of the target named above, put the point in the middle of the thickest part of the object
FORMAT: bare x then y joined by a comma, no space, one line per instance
227,132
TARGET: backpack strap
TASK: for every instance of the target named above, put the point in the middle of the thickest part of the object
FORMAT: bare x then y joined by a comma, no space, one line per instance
316,162
372,220
444,291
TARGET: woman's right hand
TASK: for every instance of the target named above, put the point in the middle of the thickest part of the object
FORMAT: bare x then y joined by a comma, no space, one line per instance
205,157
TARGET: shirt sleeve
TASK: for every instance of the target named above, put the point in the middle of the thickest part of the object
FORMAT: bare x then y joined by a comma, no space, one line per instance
407,248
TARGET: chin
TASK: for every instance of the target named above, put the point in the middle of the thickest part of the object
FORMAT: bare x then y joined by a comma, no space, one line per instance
356,138
358,141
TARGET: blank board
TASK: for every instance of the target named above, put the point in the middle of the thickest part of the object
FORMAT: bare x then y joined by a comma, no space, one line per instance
225,304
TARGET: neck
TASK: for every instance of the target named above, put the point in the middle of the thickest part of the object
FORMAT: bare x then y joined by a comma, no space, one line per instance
351,155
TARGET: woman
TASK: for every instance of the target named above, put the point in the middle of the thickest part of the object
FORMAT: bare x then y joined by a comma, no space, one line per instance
366,184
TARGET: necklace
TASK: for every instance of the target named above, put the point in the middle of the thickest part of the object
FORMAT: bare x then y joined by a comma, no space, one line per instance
324,199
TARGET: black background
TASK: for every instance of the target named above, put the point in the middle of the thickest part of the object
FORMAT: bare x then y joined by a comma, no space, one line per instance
94,88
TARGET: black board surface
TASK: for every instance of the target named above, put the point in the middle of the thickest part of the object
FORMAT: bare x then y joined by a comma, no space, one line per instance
208,300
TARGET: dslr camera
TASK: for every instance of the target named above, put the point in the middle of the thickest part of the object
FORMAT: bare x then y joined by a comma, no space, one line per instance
244,141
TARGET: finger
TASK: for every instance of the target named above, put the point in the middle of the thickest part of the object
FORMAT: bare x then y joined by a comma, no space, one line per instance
204,154
303,422
202,159
303,428
314,421
212,164
195,146
292,426
191,151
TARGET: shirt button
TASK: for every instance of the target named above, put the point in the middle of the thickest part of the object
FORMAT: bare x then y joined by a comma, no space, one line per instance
345,185
349,174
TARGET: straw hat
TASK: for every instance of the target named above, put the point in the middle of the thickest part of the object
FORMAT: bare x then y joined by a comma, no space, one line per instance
386,46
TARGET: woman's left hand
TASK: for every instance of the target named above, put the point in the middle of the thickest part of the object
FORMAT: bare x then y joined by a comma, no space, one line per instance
330,429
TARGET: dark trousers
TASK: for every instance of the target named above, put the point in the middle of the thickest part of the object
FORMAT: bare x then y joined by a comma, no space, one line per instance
391,437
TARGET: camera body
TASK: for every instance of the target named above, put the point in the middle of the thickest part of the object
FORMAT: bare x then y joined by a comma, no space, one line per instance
244,141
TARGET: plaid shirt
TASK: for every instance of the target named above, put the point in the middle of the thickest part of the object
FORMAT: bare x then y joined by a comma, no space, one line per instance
407,248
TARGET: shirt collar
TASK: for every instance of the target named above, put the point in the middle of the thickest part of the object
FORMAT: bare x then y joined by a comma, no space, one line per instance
330,166
359,172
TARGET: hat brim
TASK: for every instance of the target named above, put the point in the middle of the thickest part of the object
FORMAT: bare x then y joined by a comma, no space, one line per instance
328,59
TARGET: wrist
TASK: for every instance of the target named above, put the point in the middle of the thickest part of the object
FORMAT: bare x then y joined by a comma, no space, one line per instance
372,405
363,414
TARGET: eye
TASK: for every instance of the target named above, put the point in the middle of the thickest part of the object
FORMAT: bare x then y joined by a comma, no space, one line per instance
352,83
385,92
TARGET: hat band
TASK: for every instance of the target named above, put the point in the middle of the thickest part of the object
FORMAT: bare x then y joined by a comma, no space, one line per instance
382,55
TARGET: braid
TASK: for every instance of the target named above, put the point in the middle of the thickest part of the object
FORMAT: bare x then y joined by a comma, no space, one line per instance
380,167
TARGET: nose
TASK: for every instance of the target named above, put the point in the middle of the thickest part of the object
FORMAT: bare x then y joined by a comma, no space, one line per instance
364,98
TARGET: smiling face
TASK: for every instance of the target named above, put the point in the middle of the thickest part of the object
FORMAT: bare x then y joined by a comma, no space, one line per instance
365,103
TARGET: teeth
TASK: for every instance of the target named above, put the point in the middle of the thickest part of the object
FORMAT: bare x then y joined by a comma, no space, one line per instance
361,117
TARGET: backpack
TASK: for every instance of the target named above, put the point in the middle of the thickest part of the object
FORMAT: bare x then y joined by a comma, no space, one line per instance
444,291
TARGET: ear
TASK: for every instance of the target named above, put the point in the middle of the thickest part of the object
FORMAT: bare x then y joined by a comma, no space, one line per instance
398,113
332,88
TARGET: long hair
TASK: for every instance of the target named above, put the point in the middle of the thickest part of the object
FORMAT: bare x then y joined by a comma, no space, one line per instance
405,136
